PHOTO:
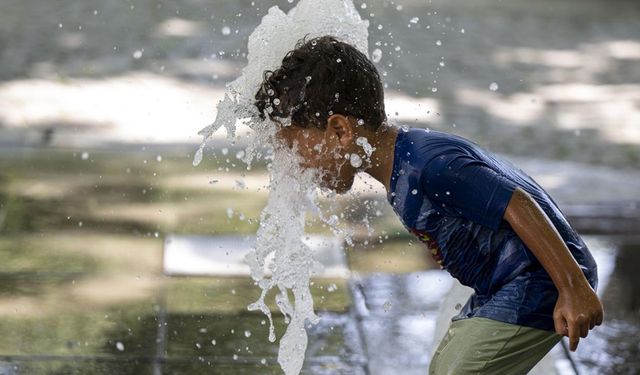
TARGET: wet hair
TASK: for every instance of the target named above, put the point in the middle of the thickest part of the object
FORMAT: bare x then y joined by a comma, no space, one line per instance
320,77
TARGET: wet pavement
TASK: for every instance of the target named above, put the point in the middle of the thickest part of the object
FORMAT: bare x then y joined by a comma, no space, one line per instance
397,315
83,289
615,347
376,323
193,344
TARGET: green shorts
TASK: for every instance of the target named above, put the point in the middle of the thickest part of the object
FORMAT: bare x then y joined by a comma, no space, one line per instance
485,346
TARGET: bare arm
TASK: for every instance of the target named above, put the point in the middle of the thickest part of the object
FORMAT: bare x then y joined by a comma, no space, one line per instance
578,308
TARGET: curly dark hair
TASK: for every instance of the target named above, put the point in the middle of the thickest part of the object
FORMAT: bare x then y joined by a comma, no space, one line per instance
320,77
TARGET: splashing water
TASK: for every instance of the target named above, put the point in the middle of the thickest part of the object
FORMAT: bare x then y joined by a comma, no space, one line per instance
293,191
366,146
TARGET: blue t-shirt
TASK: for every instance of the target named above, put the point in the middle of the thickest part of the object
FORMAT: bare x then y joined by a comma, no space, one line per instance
452,194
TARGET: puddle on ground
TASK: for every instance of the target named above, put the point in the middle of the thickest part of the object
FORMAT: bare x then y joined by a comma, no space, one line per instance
614,347
176,343
388,326
48,327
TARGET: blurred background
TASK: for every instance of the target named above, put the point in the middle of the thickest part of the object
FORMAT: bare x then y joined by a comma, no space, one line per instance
100,104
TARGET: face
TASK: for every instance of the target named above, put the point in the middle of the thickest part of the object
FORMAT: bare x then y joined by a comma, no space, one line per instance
324,151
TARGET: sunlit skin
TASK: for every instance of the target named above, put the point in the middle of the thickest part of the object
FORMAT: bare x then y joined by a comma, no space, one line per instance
577,309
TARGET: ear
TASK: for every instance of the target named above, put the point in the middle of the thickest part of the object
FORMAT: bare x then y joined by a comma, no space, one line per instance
341,127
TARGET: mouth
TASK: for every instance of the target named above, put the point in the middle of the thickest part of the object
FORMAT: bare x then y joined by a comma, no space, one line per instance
334,185
324,180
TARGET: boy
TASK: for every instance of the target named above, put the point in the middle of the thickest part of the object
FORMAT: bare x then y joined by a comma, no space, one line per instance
486,222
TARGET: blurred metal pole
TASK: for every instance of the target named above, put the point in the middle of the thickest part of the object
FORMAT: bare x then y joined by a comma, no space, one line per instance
567,354
161,333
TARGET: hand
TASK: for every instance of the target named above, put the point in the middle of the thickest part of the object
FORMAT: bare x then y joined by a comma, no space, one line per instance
577,311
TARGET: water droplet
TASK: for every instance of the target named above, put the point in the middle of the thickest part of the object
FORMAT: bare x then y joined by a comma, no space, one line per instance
159,158
414,191
414,20
84,156
493,86
355,160
120,346
438,42
247,333
137,54
333,220
197,158
226,30
366,146
376,55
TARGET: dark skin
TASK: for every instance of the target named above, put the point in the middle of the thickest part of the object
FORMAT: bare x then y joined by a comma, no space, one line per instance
577,309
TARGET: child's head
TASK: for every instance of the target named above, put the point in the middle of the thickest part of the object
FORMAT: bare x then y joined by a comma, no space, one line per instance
332,95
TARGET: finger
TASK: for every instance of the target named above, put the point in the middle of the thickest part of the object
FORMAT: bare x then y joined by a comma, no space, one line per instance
560,325
600,318
573,343
584,329
557,322
574,336
582,324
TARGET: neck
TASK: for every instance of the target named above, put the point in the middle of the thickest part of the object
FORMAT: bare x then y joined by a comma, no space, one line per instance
384,142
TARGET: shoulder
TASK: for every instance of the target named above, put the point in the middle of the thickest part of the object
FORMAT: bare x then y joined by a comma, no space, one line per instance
447,161
424,146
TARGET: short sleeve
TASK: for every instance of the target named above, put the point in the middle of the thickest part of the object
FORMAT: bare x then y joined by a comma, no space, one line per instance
468,185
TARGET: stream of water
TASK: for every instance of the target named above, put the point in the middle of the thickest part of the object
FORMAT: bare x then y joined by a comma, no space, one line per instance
292,190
